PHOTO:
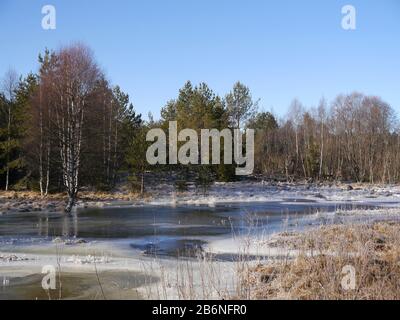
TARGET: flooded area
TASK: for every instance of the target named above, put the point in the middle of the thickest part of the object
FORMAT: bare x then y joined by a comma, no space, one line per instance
148,223
103,251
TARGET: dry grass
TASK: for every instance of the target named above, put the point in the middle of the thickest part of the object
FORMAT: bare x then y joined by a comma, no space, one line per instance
204,276
84,196
29,201
317,272
200,278
29,195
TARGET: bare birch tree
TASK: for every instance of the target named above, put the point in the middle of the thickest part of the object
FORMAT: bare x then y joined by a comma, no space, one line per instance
74,78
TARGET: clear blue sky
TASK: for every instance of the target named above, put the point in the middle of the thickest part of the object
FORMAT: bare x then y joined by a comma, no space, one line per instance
280,49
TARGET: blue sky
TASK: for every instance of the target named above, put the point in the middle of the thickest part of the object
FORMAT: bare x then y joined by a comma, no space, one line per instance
280,49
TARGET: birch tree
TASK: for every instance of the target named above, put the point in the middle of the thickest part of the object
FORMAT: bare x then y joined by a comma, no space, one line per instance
74,77
322,121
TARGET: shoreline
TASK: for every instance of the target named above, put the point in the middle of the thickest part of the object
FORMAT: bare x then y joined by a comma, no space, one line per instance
231,192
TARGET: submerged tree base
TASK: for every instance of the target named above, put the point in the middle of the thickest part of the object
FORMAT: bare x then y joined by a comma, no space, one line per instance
70,205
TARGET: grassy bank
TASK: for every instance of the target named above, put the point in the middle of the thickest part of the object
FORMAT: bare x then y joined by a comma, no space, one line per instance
321,268
30,201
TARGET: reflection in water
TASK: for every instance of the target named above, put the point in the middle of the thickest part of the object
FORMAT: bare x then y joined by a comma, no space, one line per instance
6,282
70,226
43,227
164,229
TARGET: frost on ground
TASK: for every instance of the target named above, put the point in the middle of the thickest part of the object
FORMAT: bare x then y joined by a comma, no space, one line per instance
12,258
261,192
164,193
367,213
89,259
370,249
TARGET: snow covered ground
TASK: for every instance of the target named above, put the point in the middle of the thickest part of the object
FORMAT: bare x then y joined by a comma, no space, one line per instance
261,191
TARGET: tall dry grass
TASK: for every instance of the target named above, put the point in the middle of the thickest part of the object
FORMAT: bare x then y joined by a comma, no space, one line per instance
373,250
205,276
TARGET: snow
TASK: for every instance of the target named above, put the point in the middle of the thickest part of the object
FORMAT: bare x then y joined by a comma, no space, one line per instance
253,192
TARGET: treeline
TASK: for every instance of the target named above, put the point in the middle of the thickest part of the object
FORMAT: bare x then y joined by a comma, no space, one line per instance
355,138
67,128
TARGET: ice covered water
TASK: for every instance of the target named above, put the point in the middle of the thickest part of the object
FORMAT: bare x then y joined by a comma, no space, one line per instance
164,228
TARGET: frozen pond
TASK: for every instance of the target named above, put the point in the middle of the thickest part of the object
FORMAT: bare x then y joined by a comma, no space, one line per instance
127,248
167,230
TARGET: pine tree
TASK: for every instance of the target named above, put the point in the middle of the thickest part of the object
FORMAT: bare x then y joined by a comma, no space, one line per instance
12,131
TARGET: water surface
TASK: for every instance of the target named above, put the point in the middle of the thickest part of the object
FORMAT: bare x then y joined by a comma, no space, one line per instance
166,230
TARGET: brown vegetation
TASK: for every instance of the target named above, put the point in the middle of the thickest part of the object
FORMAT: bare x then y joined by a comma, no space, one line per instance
317,272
